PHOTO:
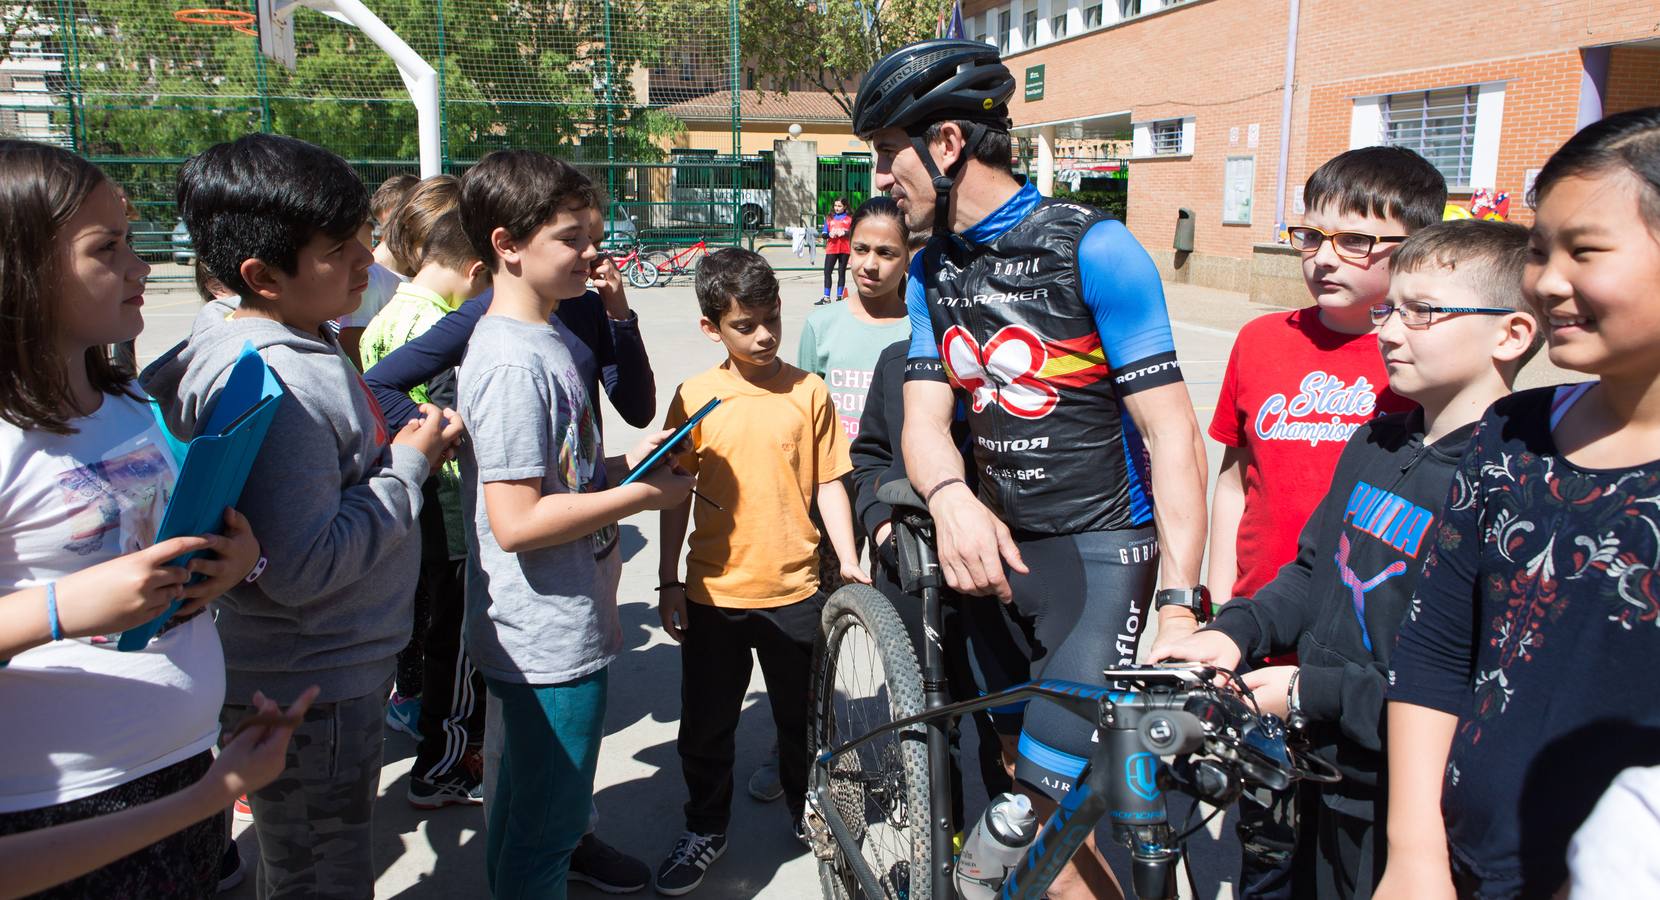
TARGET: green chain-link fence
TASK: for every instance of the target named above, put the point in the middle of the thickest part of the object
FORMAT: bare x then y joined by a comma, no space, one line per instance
137,91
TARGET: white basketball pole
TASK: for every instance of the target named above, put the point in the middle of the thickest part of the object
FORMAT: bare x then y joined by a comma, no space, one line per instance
419,77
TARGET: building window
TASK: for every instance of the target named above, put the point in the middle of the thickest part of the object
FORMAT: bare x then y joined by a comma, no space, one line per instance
984,38
1092,16
1029,32
1167,137
749,79
1128,8
1057,27
1005,22
1438,125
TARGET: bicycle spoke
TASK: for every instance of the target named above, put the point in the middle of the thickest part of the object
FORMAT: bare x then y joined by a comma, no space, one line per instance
874,778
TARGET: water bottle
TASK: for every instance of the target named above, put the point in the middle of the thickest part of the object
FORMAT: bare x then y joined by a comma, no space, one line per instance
996,844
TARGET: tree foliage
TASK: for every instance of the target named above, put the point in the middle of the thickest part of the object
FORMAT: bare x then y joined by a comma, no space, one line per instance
831,43
533,73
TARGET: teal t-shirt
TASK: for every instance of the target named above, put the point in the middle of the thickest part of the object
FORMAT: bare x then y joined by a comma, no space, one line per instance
842,349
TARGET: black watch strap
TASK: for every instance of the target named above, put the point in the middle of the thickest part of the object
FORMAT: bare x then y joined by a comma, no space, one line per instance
1196,599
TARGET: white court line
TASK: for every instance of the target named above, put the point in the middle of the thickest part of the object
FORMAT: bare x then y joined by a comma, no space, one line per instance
1205,329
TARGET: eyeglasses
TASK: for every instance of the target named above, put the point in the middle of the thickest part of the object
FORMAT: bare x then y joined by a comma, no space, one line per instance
1418,314
1347,244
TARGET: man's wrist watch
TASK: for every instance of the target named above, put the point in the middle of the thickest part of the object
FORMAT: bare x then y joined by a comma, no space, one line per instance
1196,599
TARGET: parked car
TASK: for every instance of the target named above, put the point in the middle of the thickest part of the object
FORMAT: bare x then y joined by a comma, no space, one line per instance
184,252
620,230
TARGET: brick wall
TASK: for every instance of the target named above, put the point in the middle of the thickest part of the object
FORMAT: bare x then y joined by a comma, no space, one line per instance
1633,79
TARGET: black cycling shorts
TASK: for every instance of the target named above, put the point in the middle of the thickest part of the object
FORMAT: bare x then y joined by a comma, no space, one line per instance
1080,611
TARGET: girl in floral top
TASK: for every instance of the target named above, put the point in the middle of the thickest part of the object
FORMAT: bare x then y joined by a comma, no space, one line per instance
1522,682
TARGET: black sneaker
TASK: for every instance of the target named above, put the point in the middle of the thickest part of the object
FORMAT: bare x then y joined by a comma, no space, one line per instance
683,871
457,787
597,863
231,869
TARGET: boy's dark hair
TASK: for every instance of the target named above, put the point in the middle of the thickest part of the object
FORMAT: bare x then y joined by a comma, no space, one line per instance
996,148
206,284
734,276
265,196
390,195
1628,140
1488,257
519,190
41,188
1386,182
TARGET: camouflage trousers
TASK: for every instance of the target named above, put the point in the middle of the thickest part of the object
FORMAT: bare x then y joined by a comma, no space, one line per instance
314,822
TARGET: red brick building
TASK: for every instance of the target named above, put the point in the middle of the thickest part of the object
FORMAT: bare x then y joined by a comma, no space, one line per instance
1485,89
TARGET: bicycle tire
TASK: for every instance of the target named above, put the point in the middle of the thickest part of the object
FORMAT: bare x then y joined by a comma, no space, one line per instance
641,275
881,791
663,264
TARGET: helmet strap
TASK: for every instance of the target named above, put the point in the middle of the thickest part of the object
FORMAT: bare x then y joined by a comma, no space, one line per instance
945,181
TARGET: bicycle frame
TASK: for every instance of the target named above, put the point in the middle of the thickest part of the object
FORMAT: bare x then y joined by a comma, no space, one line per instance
678,259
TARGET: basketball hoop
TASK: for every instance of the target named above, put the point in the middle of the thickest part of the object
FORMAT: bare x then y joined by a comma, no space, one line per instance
234,19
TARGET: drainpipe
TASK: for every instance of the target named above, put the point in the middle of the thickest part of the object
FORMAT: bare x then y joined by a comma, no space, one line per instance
1285,119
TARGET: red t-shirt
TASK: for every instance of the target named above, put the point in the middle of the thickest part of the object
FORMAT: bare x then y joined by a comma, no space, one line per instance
1294,392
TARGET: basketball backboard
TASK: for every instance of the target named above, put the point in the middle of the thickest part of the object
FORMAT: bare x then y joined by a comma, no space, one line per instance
276,30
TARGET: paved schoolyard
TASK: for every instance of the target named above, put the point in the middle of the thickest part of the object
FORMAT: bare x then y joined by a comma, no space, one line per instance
639,789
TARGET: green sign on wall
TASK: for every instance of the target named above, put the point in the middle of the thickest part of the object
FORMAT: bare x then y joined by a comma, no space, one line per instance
1034,83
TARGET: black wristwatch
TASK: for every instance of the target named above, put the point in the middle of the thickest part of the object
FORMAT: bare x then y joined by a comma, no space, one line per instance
1196,599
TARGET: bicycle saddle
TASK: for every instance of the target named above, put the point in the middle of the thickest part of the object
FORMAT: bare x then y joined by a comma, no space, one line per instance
900,493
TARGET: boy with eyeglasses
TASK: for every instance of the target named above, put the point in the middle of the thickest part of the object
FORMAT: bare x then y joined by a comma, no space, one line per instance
1298,385
1452,339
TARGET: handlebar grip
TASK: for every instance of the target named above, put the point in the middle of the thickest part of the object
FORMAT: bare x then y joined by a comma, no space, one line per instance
1171,732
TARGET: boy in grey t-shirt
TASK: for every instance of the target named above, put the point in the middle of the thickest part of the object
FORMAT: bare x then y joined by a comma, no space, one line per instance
543,627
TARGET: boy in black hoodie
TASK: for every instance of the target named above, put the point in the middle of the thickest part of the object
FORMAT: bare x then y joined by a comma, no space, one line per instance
1453,338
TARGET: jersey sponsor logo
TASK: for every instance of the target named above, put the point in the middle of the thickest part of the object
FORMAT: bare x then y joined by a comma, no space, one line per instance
1018,370
991,297
1163,369
1012,474
1013,446
1317,412
1014,267
1396,521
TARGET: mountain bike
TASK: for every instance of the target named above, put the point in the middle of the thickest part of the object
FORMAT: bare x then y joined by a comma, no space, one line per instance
878,813
670,262
633,266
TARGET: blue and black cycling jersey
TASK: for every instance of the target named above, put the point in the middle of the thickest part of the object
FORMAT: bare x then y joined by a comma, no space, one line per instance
1045,315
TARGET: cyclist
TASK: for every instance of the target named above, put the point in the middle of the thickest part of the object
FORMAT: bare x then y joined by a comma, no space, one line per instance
1049,318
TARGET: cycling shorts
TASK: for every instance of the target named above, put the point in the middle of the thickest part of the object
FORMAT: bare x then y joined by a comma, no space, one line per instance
1080,611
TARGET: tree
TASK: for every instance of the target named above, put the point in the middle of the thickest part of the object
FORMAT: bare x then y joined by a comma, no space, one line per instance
831,43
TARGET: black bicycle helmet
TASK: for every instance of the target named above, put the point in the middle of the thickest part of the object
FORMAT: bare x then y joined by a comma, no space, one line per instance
934,81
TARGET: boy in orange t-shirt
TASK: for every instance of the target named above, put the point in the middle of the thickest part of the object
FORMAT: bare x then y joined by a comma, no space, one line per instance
764,456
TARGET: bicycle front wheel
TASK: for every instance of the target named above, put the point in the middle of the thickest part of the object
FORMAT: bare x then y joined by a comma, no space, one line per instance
641,274
662,263
865,675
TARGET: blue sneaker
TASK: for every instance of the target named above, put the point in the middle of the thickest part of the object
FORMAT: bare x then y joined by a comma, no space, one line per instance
404,714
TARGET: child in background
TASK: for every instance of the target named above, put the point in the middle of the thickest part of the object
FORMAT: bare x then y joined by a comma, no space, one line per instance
383,206
1523,680
543,629
603,337
1299,384
386,271
276,220
448,272
85,475
751,572
837,247
1453,338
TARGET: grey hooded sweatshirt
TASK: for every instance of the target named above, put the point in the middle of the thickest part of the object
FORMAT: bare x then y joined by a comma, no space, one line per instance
332,503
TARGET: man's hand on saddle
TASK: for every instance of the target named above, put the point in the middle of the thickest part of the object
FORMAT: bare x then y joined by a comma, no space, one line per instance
974,545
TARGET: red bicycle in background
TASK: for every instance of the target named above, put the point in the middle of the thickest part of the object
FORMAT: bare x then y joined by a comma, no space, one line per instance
668,263
635,268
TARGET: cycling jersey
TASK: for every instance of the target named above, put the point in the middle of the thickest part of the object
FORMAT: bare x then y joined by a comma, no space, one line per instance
1045,314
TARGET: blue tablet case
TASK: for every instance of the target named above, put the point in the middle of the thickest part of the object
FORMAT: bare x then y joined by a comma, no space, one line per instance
664,449
215,467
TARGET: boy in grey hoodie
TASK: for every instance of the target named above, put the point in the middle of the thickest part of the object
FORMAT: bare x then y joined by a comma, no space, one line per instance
334,501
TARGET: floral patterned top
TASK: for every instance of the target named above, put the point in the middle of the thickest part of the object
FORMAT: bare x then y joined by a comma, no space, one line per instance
1536,622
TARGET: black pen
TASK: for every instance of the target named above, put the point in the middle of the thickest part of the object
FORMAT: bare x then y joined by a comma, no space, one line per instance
707,500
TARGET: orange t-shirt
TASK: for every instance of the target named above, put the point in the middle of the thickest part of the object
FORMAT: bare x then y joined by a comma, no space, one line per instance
761,455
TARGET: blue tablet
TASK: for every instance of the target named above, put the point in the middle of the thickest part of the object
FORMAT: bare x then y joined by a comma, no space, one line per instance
667,446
